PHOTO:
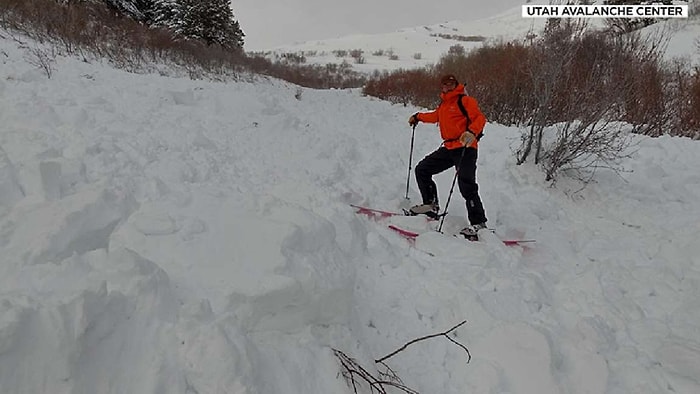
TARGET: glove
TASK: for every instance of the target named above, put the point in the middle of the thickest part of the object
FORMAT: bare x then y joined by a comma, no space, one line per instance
467,138
413,120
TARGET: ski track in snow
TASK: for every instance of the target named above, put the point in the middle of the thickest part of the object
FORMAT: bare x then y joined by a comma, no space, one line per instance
164,235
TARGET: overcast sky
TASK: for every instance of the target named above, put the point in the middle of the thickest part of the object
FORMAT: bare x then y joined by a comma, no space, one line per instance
271,23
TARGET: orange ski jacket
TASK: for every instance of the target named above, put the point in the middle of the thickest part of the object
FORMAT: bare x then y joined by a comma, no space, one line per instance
451,120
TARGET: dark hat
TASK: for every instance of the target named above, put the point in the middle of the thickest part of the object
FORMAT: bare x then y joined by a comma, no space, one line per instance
449,78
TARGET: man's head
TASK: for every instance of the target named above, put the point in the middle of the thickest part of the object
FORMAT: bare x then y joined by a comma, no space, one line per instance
448,82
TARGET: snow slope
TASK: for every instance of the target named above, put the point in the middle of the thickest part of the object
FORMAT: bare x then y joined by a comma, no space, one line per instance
163,235
416,46
424,45
273,23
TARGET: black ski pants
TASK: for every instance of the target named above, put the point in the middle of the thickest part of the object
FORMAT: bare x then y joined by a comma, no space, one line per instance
441,160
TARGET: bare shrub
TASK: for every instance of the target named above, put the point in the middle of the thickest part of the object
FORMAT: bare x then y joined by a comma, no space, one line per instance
357,55
292,57
693,111
546,66
417,56
456,50
43,59
458,37
404,87
312,76
584,84
687,102
644,99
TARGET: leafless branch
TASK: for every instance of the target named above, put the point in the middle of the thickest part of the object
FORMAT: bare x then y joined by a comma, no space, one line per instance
355,375
445,334
43,58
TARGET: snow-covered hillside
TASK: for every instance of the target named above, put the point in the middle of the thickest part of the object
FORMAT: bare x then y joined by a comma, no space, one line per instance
163,235
273,23
424,45
414,47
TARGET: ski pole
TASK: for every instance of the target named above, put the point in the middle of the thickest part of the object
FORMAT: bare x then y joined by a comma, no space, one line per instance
410,161
449,197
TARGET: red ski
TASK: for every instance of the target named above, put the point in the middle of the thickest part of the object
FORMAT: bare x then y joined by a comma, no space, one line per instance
511,242
411,236
375,213
381,214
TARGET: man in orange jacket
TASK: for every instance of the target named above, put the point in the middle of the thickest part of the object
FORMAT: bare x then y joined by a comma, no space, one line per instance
460,136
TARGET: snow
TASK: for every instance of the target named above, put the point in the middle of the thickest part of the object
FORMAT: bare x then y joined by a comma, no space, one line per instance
417,46
424,45
274,23
165,235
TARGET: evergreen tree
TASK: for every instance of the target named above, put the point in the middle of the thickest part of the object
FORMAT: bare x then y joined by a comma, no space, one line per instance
166,14
210,21
128,7
146,8
225,28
